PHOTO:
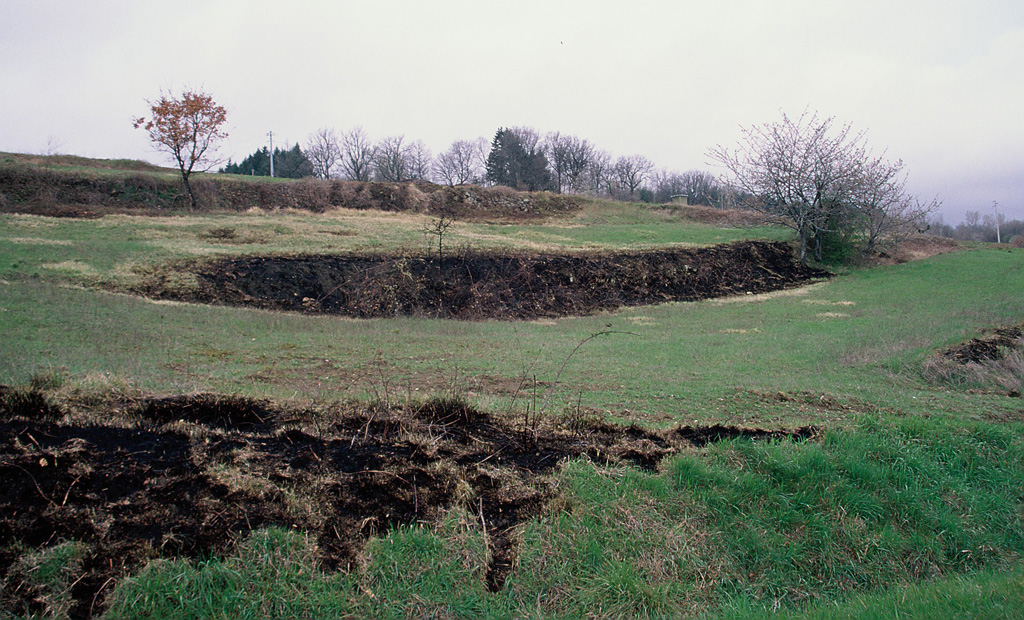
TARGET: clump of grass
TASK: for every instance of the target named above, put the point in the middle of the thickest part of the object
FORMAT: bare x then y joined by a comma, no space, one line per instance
49,574
421,572
1005,374
273,574
412,572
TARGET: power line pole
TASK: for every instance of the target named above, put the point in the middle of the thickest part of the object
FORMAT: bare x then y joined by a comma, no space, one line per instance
995,207
271,134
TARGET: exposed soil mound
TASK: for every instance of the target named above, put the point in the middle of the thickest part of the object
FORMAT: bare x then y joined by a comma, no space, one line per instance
990,346
190,475
477,285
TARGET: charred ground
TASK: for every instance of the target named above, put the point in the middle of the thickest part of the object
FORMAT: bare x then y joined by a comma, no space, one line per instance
478,285
187,476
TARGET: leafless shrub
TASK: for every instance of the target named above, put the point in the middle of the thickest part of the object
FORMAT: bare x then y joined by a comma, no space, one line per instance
341,193
46,197
312,195
207,193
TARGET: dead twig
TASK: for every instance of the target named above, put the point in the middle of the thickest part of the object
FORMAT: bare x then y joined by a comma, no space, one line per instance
565,362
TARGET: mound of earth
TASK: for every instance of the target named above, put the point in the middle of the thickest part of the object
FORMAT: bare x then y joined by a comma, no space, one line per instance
188,476
44,186
990,346
477,285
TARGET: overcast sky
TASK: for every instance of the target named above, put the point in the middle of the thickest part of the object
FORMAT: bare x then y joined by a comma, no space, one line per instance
937,83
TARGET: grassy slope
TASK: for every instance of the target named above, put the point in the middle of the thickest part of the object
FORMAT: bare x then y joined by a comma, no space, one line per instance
858,338
913,480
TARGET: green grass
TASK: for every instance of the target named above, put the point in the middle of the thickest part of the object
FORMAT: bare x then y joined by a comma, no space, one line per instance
978,596
75,162
855,343
619,226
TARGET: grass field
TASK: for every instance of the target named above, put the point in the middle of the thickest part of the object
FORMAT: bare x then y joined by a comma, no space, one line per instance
913,481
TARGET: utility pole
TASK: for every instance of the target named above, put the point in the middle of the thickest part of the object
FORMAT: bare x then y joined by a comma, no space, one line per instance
995,207
271,134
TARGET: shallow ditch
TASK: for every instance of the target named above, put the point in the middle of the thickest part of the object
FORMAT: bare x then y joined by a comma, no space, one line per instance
469,284
190,475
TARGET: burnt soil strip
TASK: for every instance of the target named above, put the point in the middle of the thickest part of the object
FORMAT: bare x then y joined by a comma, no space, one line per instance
190,475
477,285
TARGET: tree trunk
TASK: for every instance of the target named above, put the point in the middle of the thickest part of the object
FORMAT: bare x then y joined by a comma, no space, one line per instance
188,190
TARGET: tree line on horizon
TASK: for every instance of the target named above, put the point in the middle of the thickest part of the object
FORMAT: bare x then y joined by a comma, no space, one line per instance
517,157
977,227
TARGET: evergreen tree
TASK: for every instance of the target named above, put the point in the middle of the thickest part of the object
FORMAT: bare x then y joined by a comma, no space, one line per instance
257,164
292,164
510,163
288,164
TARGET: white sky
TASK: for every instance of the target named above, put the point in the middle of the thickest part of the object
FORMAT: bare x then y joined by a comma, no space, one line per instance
937,83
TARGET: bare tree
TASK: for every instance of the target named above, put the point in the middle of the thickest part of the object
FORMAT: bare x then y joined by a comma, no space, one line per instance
798,169
884,211
569,157
323,151
579,157
556,147
528,138
357,155
631,172
821,181
599,173
701,187
53,145
973,219
668,185
391,162
420,159
462,163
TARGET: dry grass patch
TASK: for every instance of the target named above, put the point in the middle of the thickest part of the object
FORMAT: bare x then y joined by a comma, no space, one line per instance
72,266
37,241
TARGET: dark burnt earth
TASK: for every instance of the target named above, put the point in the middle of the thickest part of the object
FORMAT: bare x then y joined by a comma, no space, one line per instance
475,285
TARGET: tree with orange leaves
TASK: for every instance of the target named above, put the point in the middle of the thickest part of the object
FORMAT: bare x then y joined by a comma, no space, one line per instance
188,128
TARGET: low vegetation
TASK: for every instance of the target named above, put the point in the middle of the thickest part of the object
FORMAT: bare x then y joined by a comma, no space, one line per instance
851,446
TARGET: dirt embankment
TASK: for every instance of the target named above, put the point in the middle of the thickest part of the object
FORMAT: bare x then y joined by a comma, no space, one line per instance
477,285
27,188
187,476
